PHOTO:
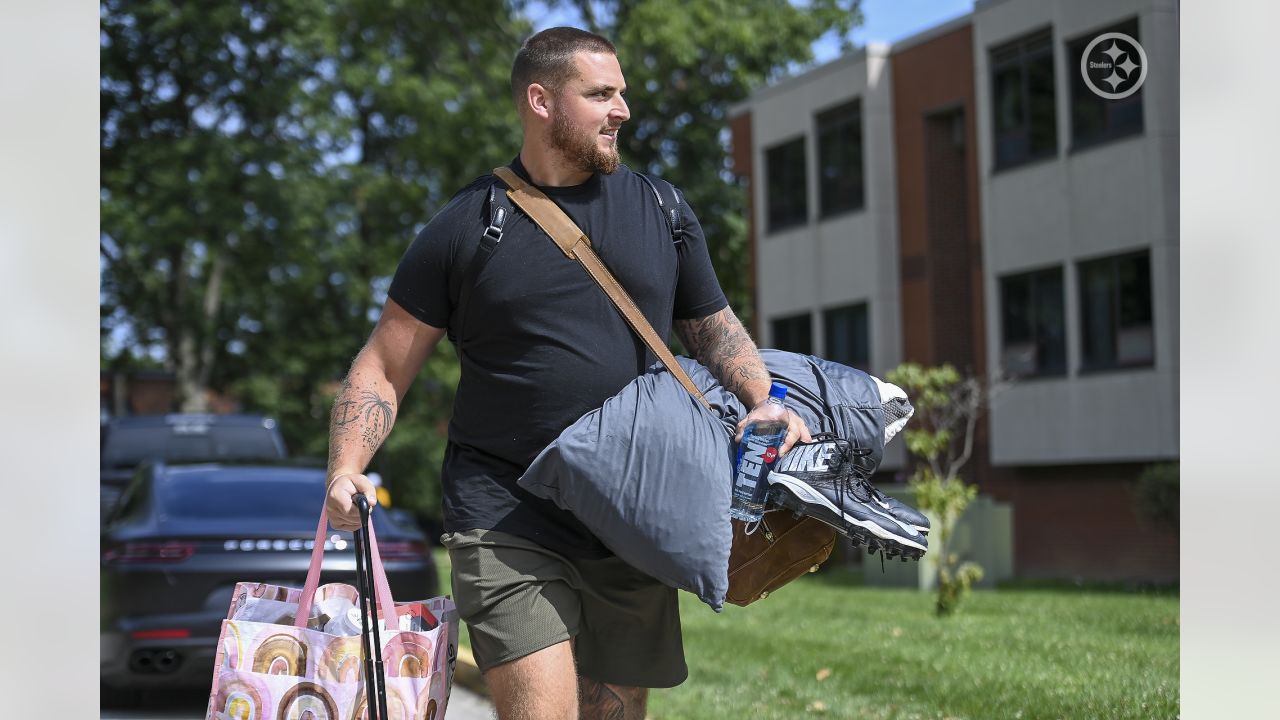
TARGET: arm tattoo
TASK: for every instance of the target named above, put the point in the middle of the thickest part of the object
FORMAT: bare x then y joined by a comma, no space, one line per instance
597,701
367,411
721,343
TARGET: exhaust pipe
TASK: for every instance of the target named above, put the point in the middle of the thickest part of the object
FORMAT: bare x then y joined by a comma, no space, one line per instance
142,661
167,661
158,662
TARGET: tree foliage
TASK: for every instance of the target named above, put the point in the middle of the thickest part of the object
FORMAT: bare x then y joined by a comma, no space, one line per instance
264,163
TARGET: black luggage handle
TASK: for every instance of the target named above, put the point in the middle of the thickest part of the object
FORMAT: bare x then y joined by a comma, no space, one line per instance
375,679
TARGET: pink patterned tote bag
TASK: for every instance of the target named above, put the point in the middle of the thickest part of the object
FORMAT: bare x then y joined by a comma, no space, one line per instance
295,654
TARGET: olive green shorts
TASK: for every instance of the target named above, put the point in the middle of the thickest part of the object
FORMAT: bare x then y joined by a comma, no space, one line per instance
518,597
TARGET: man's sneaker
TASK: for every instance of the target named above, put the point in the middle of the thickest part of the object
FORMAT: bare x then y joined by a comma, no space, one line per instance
822,480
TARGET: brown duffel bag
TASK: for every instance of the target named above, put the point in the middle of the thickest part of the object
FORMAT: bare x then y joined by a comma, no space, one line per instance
782,549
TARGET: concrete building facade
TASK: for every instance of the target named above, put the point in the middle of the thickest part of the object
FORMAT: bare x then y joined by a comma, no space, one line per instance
1005,219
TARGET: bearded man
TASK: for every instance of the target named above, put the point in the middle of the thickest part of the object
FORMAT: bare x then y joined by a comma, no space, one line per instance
560,627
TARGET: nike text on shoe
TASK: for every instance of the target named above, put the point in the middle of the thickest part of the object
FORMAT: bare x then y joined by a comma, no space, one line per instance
820,480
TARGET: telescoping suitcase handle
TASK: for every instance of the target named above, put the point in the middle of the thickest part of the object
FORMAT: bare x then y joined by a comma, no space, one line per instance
375,679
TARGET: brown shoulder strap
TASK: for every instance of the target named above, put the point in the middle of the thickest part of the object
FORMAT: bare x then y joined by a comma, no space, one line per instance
576,245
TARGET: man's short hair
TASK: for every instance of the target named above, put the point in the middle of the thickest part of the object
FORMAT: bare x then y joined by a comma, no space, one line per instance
547,59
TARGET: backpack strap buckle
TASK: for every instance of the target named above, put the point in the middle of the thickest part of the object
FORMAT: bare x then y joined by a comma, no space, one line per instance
497,217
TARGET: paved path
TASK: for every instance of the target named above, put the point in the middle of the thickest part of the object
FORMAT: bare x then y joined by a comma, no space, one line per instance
463,705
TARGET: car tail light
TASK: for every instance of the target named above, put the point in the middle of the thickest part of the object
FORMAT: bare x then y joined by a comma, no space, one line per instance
401,550
150,552
173,634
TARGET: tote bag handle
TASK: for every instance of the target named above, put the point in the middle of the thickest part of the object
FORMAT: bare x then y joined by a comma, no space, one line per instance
382,589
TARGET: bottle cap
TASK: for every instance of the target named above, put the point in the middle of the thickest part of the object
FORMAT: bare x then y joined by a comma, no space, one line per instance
778,390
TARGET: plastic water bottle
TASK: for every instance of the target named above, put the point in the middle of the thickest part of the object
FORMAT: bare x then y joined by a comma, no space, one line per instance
756,455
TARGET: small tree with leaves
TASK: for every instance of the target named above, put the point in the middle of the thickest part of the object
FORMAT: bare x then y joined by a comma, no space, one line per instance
941,433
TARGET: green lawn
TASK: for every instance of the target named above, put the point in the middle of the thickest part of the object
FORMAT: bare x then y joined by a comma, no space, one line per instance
823,646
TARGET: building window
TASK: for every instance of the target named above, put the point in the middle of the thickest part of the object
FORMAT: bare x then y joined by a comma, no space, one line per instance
793,334
1026,125
847,335
785,169
1115,312
840,159
1095,119
1033,324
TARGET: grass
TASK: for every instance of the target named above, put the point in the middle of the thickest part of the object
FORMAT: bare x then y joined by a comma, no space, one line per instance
826,647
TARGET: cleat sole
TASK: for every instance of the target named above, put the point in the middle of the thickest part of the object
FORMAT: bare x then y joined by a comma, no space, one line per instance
856,533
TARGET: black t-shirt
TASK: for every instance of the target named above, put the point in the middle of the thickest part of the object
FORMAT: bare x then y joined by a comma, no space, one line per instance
542,343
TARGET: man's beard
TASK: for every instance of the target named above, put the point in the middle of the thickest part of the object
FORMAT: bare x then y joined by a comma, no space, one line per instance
580,149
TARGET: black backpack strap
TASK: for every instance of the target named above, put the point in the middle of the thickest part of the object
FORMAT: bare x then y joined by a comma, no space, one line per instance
499,210
670,207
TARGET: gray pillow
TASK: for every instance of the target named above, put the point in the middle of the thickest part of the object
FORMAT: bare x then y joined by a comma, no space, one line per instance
649,474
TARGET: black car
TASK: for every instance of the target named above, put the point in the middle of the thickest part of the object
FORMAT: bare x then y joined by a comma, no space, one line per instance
129,441
182,536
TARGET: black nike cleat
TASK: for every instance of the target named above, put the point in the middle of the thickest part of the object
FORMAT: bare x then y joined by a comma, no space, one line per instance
858,457
822,480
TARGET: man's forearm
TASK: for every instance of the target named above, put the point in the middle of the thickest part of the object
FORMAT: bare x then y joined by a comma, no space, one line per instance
721,343
363,414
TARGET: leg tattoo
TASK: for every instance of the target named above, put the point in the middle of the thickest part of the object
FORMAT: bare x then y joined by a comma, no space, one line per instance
596,701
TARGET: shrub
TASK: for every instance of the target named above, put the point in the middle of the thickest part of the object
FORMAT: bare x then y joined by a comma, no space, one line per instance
1156,495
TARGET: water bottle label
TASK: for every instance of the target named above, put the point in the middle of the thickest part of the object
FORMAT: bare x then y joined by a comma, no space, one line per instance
756,455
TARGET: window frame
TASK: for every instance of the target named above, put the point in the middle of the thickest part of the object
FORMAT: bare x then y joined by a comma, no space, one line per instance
1031,46
807,316
832,121
1088,366
1042,370
827,315
774,224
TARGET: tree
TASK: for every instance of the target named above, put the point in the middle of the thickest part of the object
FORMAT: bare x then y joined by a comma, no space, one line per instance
195,169
942,433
